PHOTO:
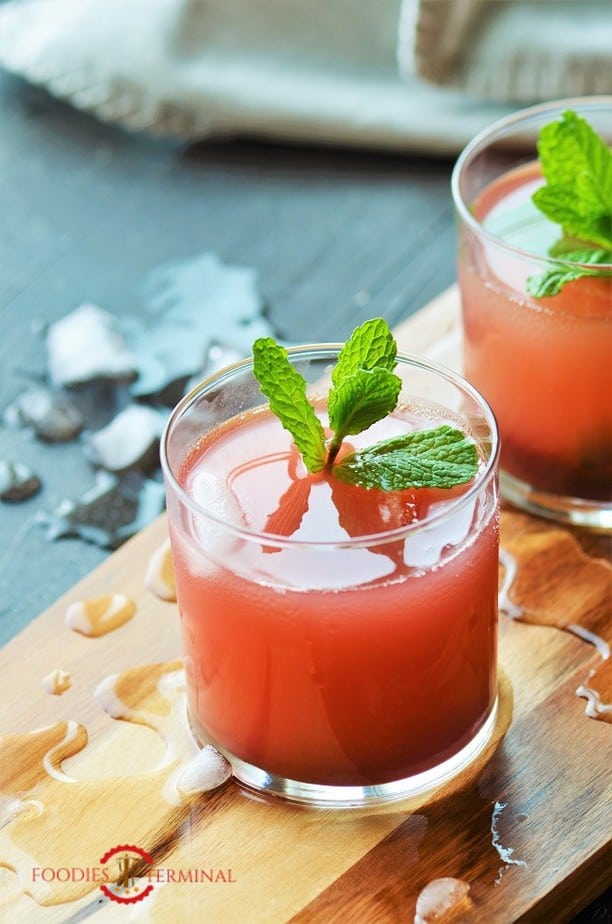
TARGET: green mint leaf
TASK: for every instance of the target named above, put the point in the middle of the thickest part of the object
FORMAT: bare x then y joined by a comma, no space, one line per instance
566,209
577,167
285,389
439,458
370,346
364,388
552,280
360,400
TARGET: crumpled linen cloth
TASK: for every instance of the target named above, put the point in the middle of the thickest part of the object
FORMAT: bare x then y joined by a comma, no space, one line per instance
414,75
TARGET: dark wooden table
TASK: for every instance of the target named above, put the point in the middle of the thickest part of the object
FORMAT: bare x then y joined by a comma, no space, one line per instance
89,212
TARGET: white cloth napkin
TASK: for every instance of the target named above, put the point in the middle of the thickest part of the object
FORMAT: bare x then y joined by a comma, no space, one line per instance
307,70
515,50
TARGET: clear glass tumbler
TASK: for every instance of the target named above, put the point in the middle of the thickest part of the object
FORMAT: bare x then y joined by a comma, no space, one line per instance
543,363
334,656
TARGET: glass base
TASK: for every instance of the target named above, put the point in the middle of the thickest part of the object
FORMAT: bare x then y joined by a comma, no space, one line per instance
359,796
573,511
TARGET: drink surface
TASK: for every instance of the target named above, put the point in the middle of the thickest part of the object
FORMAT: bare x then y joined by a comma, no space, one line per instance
332,664
256,473
544,365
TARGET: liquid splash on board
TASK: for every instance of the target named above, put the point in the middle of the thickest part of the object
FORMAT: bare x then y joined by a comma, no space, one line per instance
577,588
156,698
597,641
10,808
99,615
505,853
597,691
74,821
57,682
159,575
508,606
140,805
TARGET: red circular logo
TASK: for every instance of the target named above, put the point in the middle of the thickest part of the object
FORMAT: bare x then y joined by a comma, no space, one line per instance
126,864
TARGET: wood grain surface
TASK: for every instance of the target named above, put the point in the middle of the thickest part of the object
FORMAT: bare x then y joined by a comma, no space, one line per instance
528,831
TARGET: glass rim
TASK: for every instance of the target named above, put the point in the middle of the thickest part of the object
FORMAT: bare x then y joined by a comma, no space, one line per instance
323,350
496,130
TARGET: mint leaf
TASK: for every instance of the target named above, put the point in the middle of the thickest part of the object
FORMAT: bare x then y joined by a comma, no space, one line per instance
577,167
362,399
285,389
364,387
436,458
566,209
370,346
552,280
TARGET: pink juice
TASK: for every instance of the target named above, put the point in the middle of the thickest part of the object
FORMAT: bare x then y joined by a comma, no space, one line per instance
543,364
317,654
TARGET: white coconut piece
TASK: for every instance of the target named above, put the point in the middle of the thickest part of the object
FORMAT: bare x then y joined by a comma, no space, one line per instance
130,439
86,345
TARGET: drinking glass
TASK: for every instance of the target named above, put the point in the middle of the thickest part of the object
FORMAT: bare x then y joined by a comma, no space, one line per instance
543,364
333,671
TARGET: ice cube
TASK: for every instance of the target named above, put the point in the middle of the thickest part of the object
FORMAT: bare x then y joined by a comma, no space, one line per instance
425,548
204,541
207,770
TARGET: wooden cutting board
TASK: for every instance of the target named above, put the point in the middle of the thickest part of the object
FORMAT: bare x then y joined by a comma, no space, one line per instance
524,836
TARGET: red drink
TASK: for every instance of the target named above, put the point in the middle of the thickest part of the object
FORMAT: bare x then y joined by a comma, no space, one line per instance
544,364
318,655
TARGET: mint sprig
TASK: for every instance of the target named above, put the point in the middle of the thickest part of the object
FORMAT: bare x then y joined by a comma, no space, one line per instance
364,390
577,166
